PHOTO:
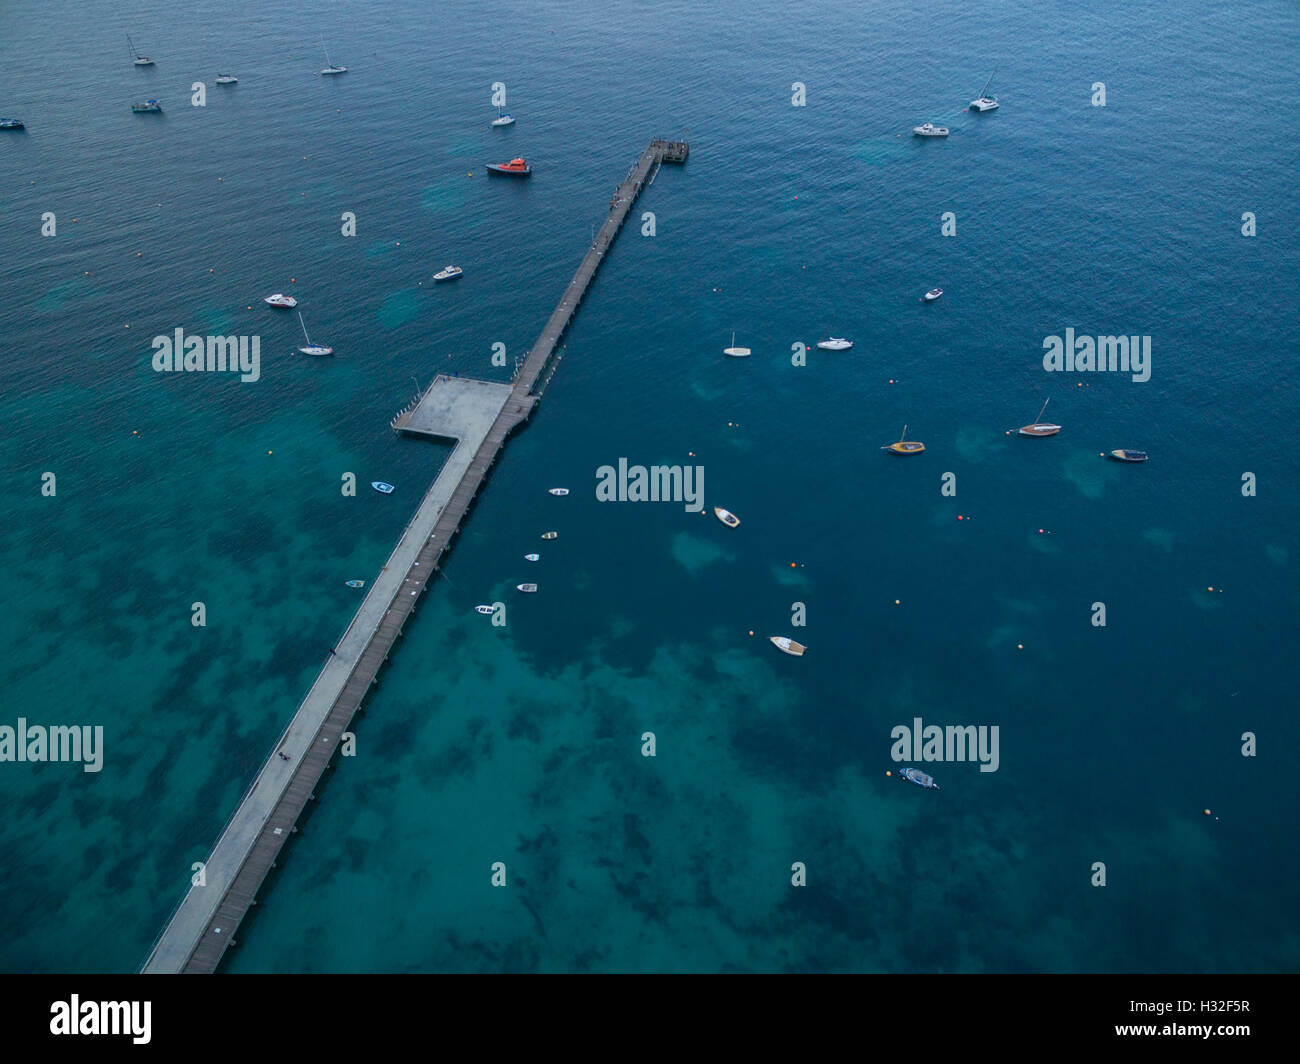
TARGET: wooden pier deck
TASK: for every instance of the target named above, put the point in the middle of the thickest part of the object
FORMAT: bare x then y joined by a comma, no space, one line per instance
203,925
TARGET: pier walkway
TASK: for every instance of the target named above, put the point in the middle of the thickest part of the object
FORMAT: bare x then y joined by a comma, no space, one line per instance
478,416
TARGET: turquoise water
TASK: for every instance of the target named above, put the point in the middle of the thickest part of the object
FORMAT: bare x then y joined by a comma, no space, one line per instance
522,744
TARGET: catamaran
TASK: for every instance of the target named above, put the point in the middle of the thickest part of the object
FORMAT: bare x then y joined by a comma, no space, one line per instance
985,102
330,68
138,59
904,445
1040,427
733,350
311,348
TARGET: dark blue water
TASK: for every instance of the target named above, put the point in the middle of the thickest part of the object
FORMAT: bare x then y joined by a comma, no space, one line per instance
788,224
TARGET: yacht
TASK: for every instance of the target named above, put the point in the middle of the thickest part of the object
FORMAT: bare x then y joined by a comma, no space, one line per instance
933,294
514,168
482,609
280,300
448,273
503,119
137,58
1040,427
733,350
835,343
726,517
1129,456
330,68
149,107
985,102
929,129
532,557
787,645
528,589
558,491
904,445
550,535
227,79
311,348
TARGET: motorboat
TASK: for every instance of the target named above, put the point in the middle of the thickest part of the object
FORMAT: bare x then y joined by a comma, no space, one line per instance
933,294
149,107
550,535
557,491
448,273
382,486
929,129
227,79
532,557
1040,427
356,583
921,779
514,168
726,517
281,300
330,68
527,589
835,343
482,609
904,445
789,646
1129,456
11,123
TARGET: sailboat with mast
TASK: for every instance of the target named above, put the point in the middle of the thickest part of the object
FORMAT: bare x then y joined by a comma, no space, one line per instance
733,350
1040,427
311,348
330,68
137,58
904,445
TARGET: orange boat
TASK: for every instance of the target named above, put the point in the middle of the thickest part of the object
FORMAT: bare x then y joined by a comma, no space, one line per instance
514,168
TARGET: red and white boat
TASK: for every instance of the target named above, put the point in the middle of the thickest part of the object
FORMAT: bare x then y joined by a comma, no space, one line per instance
514,168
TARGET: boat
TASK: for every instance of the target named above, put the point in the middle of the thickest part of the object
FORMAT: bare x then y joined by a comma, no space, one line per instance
532,557
835,343
147,108
448,273
514,168
1129,456
227,79
311,348
550,535
527,589
330,68
557,491
138,59
904,445
733,350
985,102
356,583
929,129
482,609
11,123
933,294
280,300
503,119
1040,427
915,775
726,517
787,645
382,486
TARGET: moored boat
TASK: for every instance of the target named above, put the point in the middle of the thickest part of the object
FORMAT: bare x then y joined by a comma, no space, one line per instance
557,491
227,79
787,645
921,779
280,300
904,445
149,107
137,58
382,486
503,119
835,343
1125,455
726,517
356,583
933,294
929,129
1040,427
311,348
514,168
733,350
550,535
482,609
528,589
11,123
330,68
532,557
448,273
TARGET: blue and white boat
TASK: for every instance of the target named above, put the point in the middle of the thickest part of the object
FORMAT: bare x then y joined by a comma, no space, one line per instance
503,119
915,775
11,123
380,485
149,107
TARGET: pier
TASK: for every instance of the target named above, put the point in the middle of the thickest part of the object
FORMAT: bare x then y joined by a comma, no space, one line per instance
477,416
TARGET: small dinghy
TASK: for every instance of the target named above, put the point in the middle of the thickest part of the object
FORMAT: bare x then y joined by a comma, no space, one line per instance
789,646
532,557
1129,456
557,491
527,589
356,583
904,445
736,352
280,300
550,535
448,273
915,775
726,517
382,486
933,294
835,343
482,609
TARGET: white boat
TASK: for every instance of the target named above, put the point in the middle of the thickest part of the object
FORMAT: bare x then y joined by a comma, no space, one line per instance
558,491
330,68
526,588
532,557
933,294
227,79
985,102
482,609
835,343
503,119
726,517
382,486
929,129
311,348
448,273
281,300
138,59
1040,427
788,645
550,535
733,350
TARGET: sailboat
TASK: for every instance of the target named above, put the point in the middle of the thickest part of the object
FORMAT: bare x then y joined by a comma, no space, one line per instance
503,119
1040,427
733,350
139,60
985,102
330,68
311,348
904,445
